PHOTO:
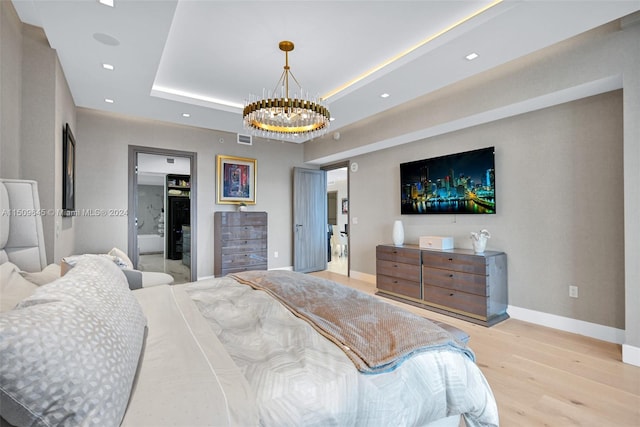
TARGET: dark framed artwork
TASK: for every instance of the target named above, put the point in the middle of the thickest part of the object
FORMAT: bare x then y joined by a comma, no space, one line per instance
68,172
236,180
345,206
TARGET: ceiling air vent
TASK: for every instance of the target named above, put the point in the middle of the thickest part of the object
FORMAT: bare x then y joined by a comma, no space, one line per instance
244,139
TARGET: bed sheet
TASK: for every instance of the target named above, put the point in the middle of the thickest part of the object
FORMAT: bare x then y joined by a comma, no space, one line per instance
186,377
299,377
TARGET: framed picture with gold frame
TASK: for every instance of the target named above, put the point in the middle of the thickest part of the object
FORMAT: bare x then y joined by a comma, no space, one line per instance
236,180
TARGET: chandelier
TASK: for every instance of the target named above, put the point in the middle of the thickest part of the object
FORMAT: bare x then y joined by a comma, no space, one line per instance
286,116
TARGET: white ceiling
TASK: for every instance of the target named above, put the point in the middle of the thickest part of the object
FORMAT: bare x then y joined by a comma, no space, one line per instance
226,50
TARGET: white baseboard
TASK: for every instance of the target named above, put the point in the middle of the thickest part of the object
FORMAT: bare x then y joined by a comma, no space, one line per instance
290,268
365,277
593,330
631,354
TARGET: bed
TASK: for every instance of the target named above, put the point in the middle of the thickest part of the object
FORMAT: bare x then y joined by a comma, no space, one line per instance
85,349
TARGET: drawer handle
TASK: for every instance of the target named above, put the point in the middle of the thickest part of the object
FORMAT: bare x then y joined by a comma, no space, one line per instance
450,259
395,252
395,265
451,275
451,295
395,281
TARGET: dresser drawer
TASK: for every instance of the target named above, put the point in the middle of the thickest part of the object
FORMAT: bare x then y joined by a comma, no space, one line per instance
398,254
240,269
465,263
243,232
455,300
396,285
398,269
230,260
456,280
242,218
242,246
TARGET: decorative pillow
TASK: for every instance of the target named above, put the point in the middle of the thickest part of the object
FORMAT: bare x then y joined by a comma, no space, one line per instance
68,262
70,351
50,273
13,287
126,262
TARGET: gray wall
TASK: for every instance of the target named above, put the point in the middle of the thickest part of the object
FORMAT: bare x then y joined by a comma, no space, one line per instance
102,144
559,191
35,104
10,90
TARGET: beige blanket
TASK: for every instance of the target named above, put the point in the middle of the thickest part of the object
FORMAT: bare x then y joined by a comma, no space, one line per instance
375,335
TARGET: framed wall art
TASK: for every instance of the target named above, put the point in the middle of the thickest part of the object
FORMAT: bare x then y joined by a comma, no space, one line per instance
68,172
236,180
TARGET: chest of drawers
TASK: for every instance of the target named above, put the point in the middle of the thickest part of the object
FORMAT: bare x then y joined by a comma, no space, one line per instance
456,282
240,240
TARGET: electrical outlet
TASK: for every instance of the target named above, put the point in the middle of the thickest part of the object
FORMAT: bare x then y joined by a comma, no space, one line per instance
573,291
275,254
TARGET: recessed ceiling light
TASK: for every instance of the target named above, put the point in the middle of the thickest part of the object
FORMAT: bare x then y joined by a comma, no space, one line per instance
107,2
472,56
108,67
186,115
108,100
384,95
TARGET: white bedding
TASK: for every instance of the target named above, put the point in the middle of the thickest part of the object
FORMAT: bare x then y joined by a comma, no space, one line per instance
218,353
301,378
186,377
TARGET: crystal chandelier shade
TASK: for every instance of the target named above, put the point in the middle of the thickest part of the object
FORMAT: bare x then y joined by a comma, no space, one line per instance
284,116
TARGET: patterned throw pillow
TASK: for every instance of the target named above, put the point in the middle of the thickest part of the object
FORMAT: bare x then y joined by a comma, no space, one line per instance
70,351
122,258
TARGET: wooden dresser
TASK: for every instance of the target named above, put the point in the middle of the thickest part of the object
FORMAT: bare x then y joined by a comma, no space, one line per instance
240,240
457,282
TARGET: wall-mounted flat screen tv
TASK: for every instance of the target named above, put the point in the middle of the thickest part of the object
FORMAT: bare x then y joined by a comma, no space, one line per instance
462,183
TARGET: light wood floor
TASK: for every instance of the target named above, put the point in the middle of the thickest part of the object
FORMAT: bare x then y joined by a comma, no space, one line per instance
545,377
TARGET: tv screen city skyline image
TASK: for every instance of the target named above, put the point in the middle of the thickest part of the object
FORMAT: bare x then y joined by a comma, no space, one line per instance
462,183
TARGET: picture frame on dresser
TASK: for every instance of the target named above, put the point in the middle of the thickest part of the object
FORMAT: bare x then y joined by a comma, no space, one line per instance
237,181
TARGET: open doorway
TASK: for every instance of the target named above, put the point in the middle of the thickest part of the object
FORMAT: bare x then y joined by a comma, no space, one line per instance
162,198
338,220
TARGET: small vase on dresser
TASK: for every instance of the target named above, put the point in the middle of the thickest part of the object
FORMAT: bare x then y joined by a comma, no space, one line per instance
398,233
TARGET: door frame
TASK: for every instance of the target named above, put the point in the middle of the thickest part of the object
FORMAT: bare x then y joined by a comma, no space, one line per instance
133,152
340,165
